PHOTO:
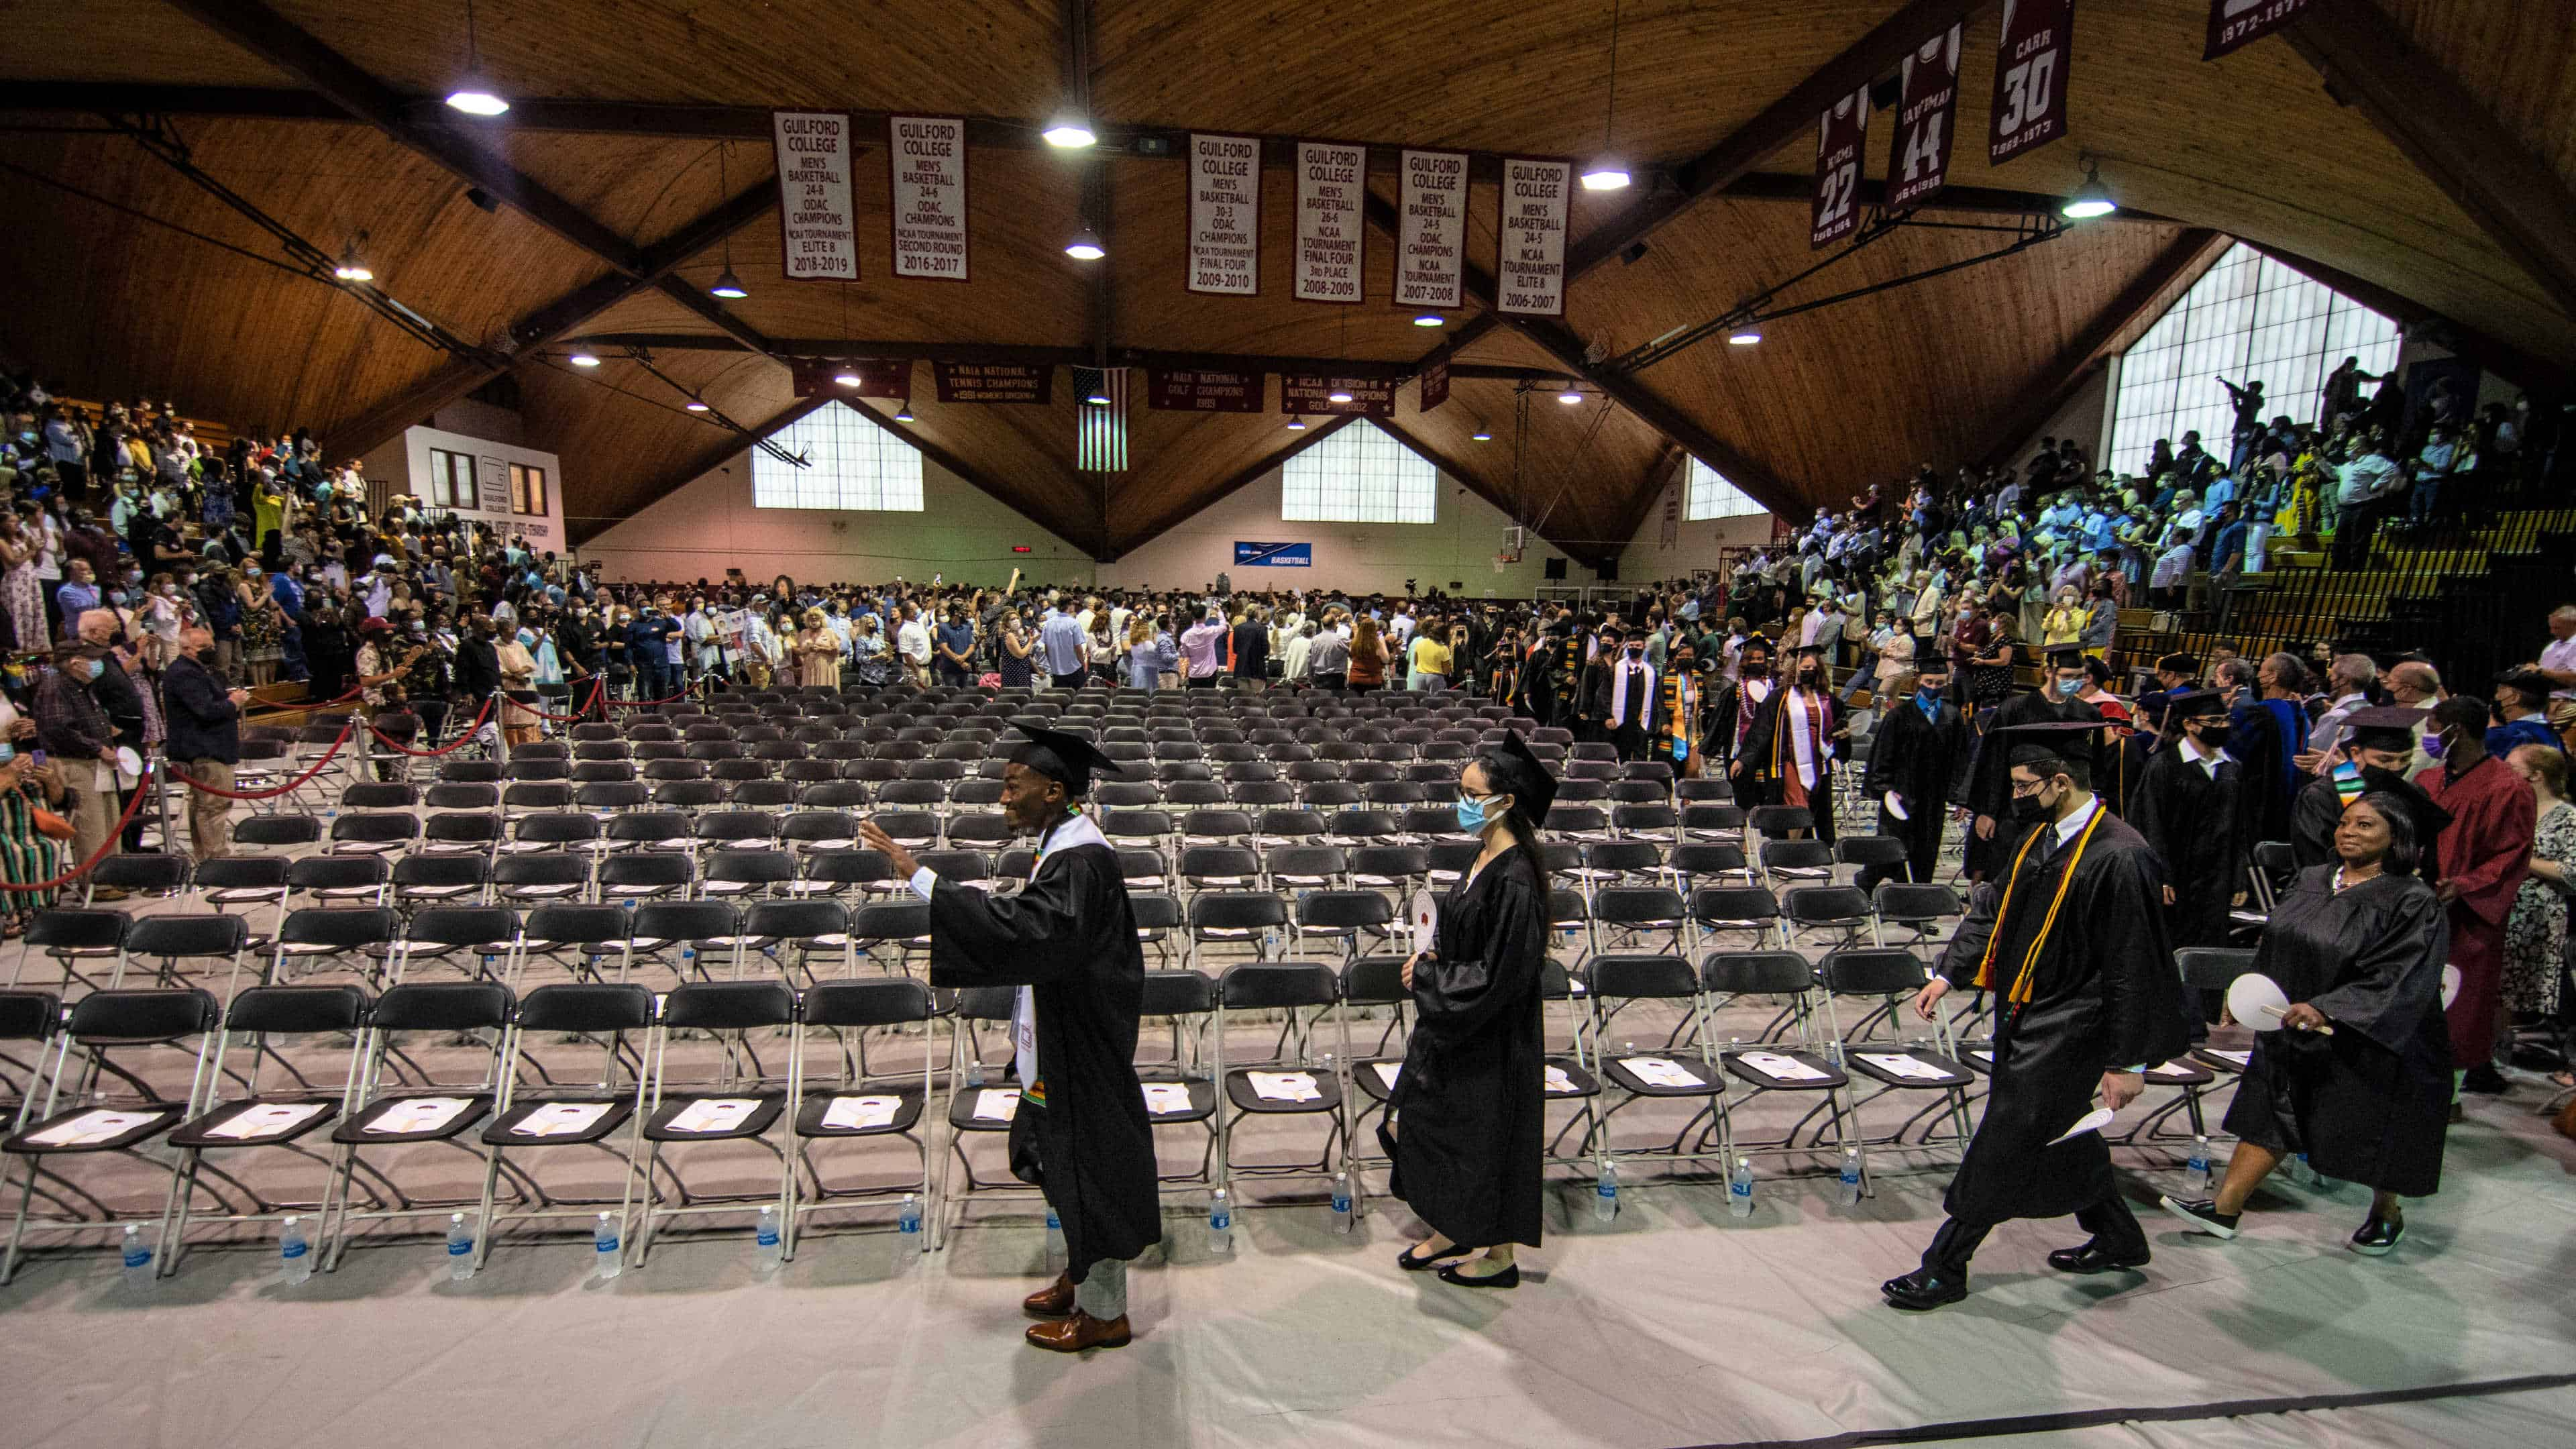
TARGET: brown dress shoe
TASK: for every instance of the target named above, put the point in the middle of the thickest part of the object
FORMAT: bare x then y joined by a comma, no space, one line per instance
1079,1332
1053,1301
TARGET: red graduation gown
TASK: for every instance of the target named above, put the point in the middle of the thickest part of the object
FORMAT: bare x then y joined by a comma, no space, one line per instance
2485,851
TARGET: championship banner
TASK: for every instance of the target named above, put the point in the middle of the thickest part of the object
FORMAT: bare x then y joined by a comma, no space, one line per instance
2234,24
994,382
1328,262
1435,385
2029,106
1311,394
1529,245
1225,215
818,377
926,196
818,236
1840,133
1431,230
1198,390
1274,555
1927,101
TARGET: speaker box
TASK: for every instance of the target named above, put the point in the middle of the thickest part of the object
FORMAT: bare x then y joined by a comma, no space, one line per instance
1556,569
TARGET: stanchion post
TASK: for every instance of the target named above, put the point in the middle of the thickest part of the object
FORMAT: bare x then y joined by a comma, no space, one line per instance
156,776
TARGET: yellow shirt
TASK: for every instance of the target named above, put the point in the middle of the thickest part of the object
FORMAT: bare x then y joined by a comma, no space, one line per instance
1430,656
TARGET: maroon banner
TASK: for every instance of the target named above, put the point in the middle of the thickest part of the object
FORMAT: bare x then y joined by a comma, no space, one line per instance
2031,60
994,382
1927,101
2234,24
1199,390
1312,392
1840,133
1435,385
813,377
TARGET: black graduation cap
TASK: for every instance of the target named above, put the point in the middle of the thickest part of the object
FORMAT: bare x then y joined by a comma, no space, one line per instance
1062,756
1530,783
2384,727
2178,664
2188,703
2065,658
2029,744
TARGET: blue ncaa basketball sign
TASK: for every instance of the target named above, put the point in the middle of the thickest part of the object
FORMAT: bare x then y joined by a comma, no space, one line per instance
1274,555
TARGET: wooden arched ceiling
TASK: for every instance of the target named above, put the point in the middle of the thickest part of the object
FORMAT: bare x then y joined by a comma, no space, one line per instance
2254,146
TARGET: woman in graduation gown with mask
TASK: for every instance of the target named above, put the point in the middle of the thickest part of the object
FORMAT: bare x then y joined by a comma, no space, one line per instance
1465,1119
2356,1073
1067,940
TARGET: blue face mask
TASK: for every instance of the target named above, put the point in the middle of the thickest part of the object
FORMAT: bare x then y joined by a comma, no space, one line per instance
8,752
97,667
2067,687
1929,697
1473,815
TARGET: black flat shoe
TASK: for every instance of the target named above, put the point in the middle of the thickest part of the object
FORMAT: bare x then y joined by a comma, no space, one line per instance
1412,1264
2092,1257
1923,1289
1508,1278
2201,1215
2484,1080
2377,1236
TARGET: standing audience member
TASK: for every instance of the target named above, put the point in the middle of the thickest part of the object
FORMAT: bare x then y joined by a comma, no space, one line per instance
205,736
74,730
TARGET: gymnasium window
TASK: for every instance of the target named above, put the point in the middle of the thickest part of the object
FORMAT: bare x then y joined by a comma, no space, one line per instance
451,480
1359,475
2249,317
527,490
1709,495
851,464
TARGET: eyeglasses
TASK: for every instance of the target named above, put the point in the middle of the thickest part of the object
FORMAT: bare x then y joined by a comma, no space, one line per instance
2021,788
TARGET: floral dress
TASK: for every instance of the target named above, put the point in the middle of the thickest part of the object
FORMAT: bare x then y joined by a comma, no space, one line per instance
2535,935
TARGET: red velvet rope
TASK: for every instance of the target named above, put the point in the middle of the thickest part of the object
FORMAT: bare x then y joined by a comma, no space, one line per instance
461,741
307,708
646,703
597,688
286,788
114,833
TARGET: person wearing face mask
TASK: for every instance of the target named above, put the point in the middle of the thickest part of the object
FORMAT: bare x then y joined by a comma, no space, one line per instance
1731,717
1463,1125
1619,695
2187,808
1918,764
2377,750
1787,757
73,728
2070,940
2484,854
1680,721
205,736
1990,784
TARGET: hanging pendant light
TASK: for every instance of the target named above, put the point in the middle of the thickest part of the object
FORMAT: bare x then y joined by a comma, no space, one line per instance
903,411
1430,319
583,359
1482,435
1070,131
1297,423
847,377
1570,396
473,94
1086,246
728,286
696,405
1744,336
2091,199
1607,172
353,266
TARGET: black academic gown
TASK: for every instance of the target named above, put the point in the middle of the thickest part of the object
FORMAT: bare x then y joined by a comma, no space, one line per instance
2371,1103
1071,934
2319,810
1923,759
1770,758
2190,819
1990,777
1470,1104
1626,730
2104,995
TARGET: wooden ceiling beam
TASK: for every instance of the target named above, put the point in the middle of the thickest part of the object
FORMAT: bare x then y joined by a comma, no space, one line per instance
1473,484
385,421
1042,355
703,461
2512,194
2116,327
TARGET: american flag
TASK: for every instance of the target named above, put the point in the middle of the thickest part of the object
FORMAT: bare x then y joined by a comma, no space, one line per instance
1100,431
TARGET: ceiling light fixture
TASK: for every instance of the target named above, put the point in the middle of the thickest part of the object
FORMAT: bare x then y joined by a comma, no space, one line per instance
473,94
2091,199
1086,246
1430,319
583,359
1297,423
1481,435
1744,336
1570,396
847,377
1098,398
696,405
1338,395
728,286
1607,172
903,412
352,266
1070,131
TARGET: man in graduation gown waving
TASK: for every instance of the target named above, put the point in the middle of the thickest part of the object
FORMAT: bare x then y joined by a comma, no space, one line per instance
1068,942
2071,940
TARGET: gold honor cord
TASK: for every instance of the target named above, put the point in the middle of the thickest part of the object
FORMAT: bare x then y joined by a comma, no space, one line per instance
2020,993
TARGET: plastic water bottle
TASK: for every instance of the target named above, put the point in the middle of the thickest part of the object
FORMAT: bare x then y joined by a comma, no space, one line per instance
1273,945
294,1252
1605,1192
1341,1202
2195,1169
1221,1223
767,1252
1054,1239
974,1071
138,1260
1739,1188
688,960
460,1248
608,1255
1851,1177
1834,1051
907,1219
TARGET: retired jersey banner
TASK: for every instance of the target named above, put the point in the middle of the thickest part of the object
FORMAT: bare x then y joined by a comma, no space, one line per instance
1431,230
1435,385
2237,23
1529,261
926,195
1312,393
1840,132
994,382
2029,107
1199,390
818,237
1927,102
816,377
1331,182
1225,215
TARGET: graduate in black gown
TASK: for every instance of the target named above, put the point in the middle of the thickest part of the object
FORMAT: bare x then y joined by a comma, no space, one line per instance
1918,763
1619,696
1990,779
2378,744
1552,686
1465,1120
2357,1072
1787,757
2071,941
2187,809
1067,940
